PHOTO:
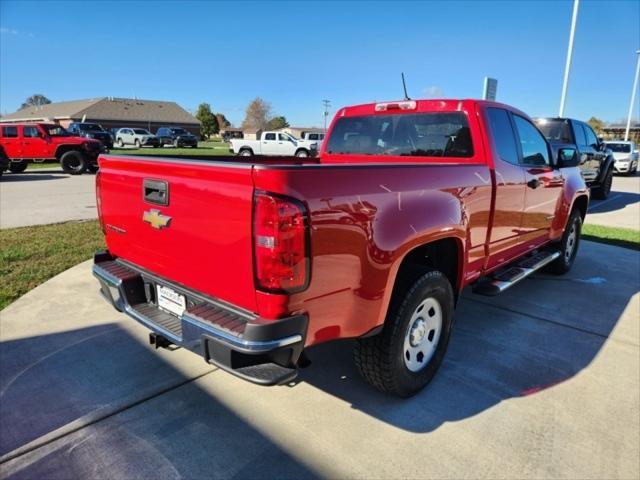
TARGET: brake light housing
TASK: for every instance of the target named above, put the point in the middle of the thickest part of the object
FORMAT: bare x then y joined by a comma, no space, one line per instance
404,105
280,243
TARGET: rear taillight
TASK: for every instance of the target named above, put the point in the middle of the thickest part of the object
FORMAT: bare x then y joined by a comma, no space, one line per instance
280,243
99,202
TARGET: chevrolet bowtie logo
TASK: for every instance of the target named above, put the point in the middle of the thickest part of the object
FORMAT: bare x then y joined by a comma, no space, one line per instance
156,219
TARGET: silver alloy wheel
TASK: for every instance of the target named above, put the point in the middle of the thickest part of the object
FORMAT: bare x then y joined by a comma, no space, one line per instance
571,243
302,153
245,153
423,334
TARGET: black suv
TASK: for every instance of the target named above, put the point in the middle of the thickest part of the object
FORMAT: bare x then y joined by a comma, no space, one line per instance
176,136
91,130
596,161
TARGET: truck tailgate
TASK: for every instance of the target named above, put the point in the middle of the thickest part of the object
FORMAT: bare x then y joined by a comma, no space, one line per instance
206,242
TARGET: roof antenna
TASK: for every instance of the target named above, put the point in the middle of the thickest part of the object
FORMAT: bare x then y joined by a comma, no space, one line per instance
404,85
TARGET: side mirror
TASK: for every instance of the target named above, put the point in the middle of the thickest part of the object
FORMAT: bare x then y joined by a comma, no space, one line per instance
567,157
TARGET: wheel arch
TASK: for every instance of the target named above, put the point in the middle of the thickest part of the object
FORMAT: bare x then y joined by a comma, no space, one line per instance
62,149
581,202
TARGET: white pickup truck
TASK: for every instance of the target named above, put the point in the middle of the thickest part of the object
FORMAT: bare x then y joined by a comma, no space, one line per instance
274,143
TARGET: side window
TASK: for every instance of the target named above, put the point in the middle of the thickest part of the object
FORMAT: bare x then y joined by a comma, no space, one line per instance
283,138
534,147
503,135
10,132
270,136
313,136
592,140
30,132
581,139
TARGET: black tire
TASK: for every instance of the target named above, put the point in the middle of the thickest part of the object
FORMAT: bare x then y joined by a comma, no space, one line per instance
302,153
18,167
73,162
176,143
194,146
383,360
568,245
136,143
120,143
93,167
602,192
245,152
157,145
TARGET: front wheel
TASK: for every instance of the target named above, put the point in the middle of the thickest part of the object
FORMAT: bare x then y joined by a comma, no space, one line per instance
18,167
136,143
568,245
73,162
602,192
245,153
120,143
302,153
405,356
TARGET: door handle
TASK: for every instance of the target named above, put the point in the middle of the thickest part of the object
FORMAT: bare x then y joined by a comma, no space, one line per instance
533,183
156,191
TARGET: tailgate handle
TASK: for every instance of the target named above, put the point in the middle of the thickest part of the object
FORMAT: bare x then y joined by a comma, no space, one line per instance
156,192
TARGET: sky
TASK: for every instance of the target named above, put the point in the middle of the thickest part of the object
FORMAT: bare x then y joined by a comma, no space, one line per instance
295,54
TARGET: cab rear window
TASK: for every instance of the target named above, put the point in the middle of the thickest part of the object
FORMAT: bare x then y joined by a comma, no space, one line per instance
421,135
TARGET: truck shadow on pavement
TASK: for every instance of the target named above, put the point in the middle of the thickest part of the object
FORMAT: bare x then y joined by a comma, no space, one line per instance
95,402
495,352
30,177
619,200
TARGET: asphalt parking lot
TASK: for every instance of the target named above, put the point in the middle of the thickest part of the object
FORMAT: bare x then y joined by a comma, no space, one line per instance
543,381
41,197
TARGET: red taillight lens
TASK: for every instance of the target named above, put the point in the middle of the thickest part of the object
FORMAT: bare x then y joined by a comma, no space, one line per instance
280,243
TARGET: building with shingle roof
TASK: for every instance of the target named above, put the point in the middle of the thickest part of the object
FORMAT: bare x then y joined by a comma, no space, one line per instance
110,112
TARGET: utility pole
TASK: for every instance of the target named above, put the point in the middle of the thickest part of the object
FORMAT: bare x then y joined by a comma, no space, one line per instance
326,104
633,96
567,67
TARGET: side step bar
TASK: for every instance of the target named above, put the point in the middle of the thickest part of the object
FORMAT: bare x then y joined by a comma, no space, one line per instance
499,281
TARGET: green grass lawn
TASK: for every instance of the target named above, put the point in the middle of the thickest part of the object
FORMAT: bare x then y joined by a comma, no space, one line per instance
30,256
621,237
44,165
205,149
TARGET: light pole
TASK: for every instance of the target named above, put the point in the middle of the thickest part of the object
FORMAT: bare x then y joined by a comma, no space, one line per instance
633,97
567,66
327,104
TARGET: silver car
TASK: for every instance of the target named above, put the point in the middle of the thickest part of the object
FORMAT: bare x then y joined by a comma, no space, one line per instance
625,156
138,137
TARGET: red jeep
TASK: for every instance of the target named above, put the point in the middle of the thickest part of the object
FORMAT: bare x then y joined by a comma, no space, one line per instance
247,261
21,143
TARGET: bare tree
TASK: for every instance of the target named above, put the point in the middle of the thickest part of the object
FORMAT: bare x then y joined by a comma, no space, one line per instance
35,101
258,114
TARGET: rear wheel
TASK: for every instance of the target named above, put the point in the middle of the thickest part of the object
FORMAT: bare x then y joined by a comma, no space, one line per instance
18,167
405,356
93,168
73,162
568,245
602,192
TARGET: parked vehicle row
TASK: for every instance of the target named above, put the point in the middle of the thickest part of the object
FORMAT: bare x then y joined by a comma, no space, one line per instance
255,259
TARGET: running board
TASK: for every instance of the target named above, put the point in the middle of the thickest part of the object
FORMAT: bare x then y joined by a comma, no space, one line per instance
499,281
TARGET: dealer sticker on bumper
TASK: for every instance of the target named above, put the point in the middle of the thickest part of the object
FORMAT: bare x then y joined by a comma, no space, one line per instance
170,300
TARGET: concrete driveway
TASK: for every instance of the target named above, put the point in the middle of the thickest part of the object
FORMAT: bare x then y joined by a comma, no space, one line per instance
543,381
622,208
40,197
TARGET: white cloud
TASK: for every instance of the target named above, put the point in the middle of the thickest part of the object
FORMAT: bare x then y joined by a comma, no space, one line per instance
8,31
433,92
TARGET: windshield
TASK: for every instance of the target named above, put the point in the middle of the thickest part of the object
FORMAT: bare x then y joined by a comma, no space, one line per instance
422,134
141,131
619,147
90,127
180,131
55,131
555,130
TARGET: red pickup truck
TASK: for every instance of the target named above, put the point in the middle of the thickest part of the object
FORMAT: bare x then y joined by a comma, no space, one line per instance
248,261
